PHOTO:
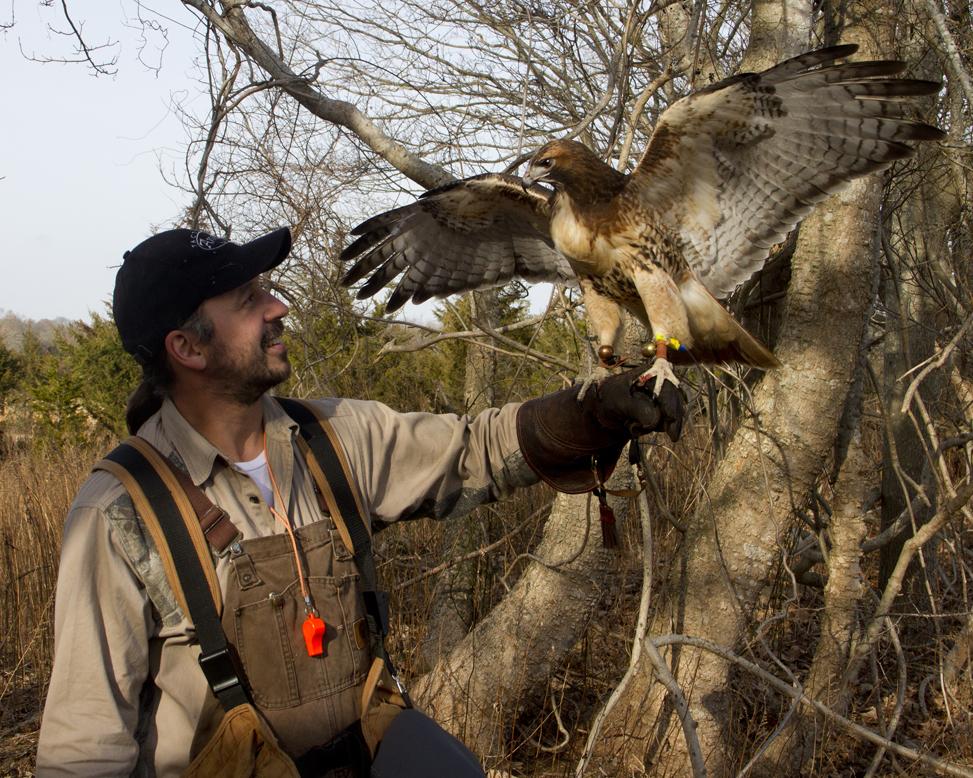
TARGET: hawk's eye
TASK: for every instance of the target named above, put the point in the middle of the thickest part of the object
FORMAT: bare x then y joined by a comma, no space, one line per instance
546,162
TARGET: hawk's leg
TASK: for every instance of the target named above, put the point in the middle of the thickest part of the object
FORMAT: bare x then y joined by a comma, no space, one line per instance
599,371
606,322
667,319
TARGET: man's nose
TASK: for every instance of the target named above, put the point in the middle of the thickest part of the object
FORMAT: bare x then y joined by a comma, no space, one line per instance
277,308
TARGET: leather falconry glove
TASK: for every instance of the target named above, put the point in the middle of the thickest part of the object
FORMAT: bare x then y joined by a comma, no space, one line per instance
559,435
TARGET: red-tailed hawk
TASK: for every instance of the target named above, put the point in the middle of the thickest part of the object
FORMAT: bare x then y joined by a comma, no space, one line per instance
728,172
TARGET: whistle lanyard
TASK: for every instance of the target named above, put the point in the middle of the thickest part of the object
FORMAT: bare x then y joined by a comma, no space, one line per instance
314,627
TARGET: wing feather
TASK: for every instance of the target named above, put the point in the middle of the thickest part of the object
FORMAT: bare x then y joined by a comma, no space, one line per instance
733,168
471,234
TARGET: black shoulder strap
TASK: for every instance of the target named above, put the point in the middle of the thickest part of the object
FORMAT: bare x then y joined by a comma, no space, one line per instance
315,434
146,475
334,479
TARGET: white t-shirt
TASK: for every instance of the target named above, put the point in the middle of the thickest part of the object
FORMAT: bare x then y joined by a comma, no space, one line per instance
257,469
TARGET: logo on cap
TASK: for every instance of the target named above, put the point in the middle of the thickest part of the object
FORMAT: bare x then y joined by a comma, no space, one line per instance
206,242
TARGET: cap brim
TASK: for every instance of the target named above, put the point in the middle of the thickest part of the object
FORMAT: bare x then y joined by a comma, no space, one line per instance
249,260
267,251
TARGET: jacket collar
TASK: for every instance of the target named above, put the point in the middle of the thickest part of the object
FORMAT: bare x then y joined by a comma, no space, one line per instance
200,456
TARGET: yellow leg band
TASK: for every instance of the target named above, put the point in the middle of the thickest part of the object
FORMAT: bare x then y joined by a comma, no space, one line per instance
670,342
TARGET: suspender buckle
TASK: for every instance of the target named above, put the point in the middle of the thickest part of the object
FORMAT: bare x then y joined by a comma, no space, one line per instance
398,683
222,670
218,528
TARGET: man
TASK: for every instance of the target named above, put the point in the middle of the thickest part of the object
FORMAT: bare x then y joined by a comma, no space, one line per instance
127,695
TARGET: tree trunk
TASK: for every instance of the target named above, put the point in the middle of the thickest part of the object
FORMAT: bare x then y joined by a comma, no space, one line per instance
840,624
733,543
453,600
499,666
778,29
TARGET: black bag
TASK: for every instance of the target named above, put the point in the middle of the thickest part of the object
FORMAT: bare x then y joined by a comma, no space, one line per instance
415,746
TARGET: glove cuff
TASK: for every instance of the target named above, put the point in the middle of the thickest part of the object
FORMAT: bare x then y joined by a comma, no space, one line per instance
559,436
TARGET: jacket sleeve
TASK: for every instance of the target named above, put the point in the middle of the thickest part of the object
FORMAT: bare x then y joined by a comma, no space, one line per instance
414,465
102,624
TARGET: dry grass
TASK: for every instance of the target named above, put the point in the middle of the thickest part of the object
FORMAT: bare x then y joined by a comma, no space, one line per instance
36,489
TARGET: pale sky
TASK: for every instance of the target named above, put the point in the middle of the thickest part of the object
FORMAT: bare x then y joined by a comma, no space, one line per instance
80,155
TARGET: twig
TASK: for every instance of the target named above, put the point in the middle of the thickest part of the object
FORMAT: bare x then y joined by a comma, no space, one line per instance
949,768
934,364
565,735
682,707
103,68
641,624
953,57
638,108
899,697
909,549
480,552
417,345
553,566
904,521
653,486
526,350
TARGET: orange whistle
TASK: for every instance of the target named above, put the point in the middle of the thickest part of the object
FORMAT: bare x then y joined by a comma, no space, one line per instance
314,635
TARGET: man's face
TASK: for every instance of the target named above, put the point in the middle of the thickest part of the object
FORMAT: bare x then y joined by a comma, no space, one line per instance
245,356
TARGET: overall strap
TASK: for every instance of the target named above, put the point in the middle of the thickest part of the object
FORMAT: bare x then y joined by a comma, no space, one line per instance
162,502
332,474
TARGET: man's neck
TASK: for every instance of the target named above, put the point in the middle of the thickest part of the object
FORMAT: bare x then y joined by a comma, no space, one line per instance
235,430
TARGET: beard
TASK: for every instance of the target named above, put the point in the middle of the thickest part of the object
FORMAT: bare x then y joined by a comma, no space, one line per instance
245,374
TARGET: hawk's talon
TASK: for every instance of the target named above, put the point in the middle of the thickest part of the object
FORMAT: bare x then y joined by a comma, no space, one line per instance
598,374
661,371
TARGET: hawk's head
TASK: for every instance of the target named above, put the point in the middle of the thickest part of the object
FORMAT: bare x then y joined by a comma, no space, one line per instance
573,168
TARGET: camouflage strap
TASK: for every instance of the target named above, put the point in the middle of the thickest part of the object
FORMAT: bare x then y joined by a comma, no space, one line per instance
169,516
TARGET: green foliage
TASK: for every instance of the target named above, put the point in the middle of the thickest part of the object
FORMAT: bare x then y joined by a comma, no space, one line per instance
337,349
334,352
10,374
77,390
74,389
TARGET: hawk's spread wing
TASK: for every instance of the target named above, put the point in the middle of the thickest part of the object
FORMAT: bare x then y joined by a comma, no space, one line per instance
733,168
475,233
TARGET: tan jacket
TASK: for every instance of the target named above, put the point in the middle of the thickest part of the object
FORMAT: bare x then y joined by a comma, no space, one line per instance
126,690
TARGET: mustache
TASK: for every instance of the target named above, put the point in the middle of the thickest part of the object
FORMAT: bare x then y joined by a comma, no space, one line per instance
274,332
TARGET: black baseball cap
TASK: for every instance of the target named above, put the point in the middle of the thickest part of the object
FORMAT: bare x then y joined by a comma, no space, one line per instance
165,278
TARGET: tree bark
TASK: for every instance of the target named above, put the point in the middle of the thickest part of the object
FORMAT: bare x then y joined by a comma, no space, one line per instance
497,668
778,29
733,543
840,624
453,605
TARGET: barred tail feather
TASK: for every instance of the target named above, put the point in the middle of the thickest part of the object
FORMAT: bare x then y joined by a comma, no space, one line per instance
716,335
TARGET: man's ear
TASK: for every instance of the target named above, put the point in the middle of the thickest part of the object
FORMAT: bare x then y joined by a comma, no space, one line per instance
184,351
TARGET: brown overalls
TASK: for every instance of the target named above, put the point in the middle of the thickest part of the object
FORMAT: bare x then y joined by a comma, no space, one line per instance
308,700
